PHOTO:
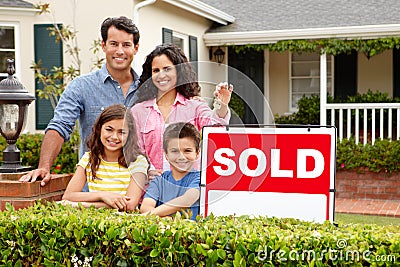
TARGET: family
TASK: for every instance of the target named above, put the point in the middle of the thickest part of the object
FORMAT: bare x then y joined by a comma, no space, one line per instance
140,139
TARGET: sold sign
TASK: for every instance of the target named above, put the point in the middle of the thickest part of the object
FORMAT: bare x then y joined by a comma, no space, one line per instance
282,172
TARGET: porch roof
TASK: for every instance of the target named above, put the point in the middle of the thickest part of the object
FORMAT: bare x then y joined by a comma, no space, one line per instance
260,21
203,9
15,3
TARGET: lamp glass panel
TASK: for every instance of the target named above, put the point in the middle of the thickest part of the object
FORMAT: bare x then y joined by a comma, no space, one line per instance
9,114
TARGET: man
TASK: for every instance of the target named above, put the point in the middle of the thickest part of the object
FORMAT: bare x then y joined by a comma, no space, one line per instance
86,96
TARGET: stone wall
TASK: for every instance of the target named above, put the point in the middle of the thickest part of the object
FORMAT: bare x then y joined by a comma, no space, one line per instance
368,185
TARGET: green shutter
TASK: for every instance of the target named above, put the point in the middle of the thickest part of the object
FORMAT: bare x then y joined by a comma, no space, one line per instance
51,54
193,57
167,36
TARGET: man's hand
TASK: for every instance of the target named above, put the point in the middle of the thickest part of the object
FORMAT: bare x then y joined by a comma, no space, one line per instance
33,175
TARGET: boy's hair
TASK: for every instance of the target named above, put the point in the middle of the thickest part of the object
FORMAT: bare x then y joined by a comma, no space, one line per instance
186,83
181,130
131,148
121,23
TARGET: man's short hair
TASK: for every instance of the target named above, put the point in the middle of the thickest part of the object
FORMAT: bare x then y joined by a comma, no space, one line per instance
121,23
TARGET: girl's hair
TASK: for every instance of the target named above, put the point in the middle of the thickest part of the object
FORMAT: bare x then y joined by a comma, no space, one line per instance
130,150
186,84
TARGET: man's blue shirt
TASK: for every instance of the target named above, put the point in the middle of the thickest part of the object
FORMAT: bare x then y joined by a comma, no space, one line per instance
165,188
84,99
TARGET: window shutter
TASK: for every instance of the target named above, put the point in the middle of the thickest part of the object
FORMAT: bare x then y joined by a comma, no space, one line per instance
167,36
345,75
50,53
193,57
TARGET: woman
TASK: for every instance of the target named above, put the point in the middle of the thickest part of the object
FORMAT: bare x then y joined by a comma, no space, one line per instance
165,95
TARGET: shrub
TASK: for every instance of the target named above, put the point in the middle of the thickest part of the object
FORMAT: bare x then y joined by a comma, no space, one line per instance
55,235
29,145
384,156
309,107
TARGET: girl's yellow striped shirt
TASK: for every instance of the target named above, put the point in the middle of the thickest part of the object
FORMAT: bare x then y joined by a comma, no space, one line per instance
111,176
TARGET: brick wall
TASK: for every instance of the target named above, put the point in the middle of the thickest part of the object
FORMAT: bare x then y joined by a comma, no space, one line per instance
22,195
368,185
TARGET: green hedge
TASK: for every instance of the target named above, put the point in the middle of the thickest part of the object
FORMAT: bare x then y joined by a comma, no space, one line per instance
29,145
55,235
383,156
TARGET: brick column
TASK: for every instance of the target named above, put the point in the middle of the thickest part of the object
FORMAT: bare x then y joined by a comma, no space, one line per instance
22,195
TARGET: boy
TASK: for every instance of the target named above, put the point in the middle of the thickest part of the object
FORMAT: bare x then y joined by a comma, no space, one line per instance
179,188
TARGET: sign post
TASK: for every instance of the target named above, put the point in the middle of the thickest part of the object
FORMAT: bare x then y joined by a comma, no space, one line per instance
280,172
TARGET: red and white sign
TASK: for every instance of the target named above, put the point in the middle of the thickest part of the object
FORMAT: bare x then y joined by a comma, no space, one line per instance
280,172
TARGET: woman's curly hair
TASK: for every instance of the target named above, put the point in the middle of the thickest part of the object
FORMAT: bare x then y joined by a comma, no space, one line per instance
186,85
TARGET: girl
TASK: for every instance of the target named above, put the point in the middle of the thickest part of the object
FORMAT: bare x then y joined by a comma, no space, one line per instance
114,168
166,88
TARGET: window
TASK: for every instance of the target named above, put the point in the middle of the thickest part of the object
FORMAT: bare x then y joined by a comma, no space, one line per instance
304,76
176,38
188,44
7,48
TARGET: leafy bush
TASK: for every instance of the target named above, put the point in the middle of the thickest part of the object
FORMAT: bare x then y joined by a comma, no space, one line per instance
29,145
55,235
308,112
384,156
309,107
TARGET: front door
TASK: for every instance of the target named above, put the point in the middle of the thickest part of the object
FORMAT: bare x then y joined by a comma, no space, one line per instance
246,73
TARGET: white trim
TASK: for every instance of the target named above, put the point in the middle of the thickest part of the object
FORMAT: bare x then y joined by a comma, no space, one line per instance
17,47
265,37
185,39
267,109
137,63
19,11
139,6
204,10
329,58
322,88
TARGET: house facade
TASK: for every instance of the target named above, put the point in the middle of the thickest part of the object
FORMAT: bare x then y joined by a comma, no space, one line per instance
289,75
269,82
28,41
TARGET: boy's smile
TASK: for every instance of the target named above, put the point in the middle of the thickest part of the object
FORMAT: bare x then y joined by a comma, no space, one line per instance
181,154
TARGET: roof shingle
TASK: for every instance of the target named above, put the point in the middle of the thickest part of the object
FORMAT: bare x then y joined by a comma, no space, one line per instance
15,3
266,15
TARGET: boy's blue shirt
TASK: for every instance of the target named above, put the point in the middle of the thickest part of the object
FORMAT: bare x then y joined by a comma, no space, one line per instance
165,188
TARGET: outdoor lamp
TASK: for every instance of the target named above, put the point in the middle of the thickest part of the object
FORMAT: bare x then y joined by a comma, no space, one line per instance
219,55
14,101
